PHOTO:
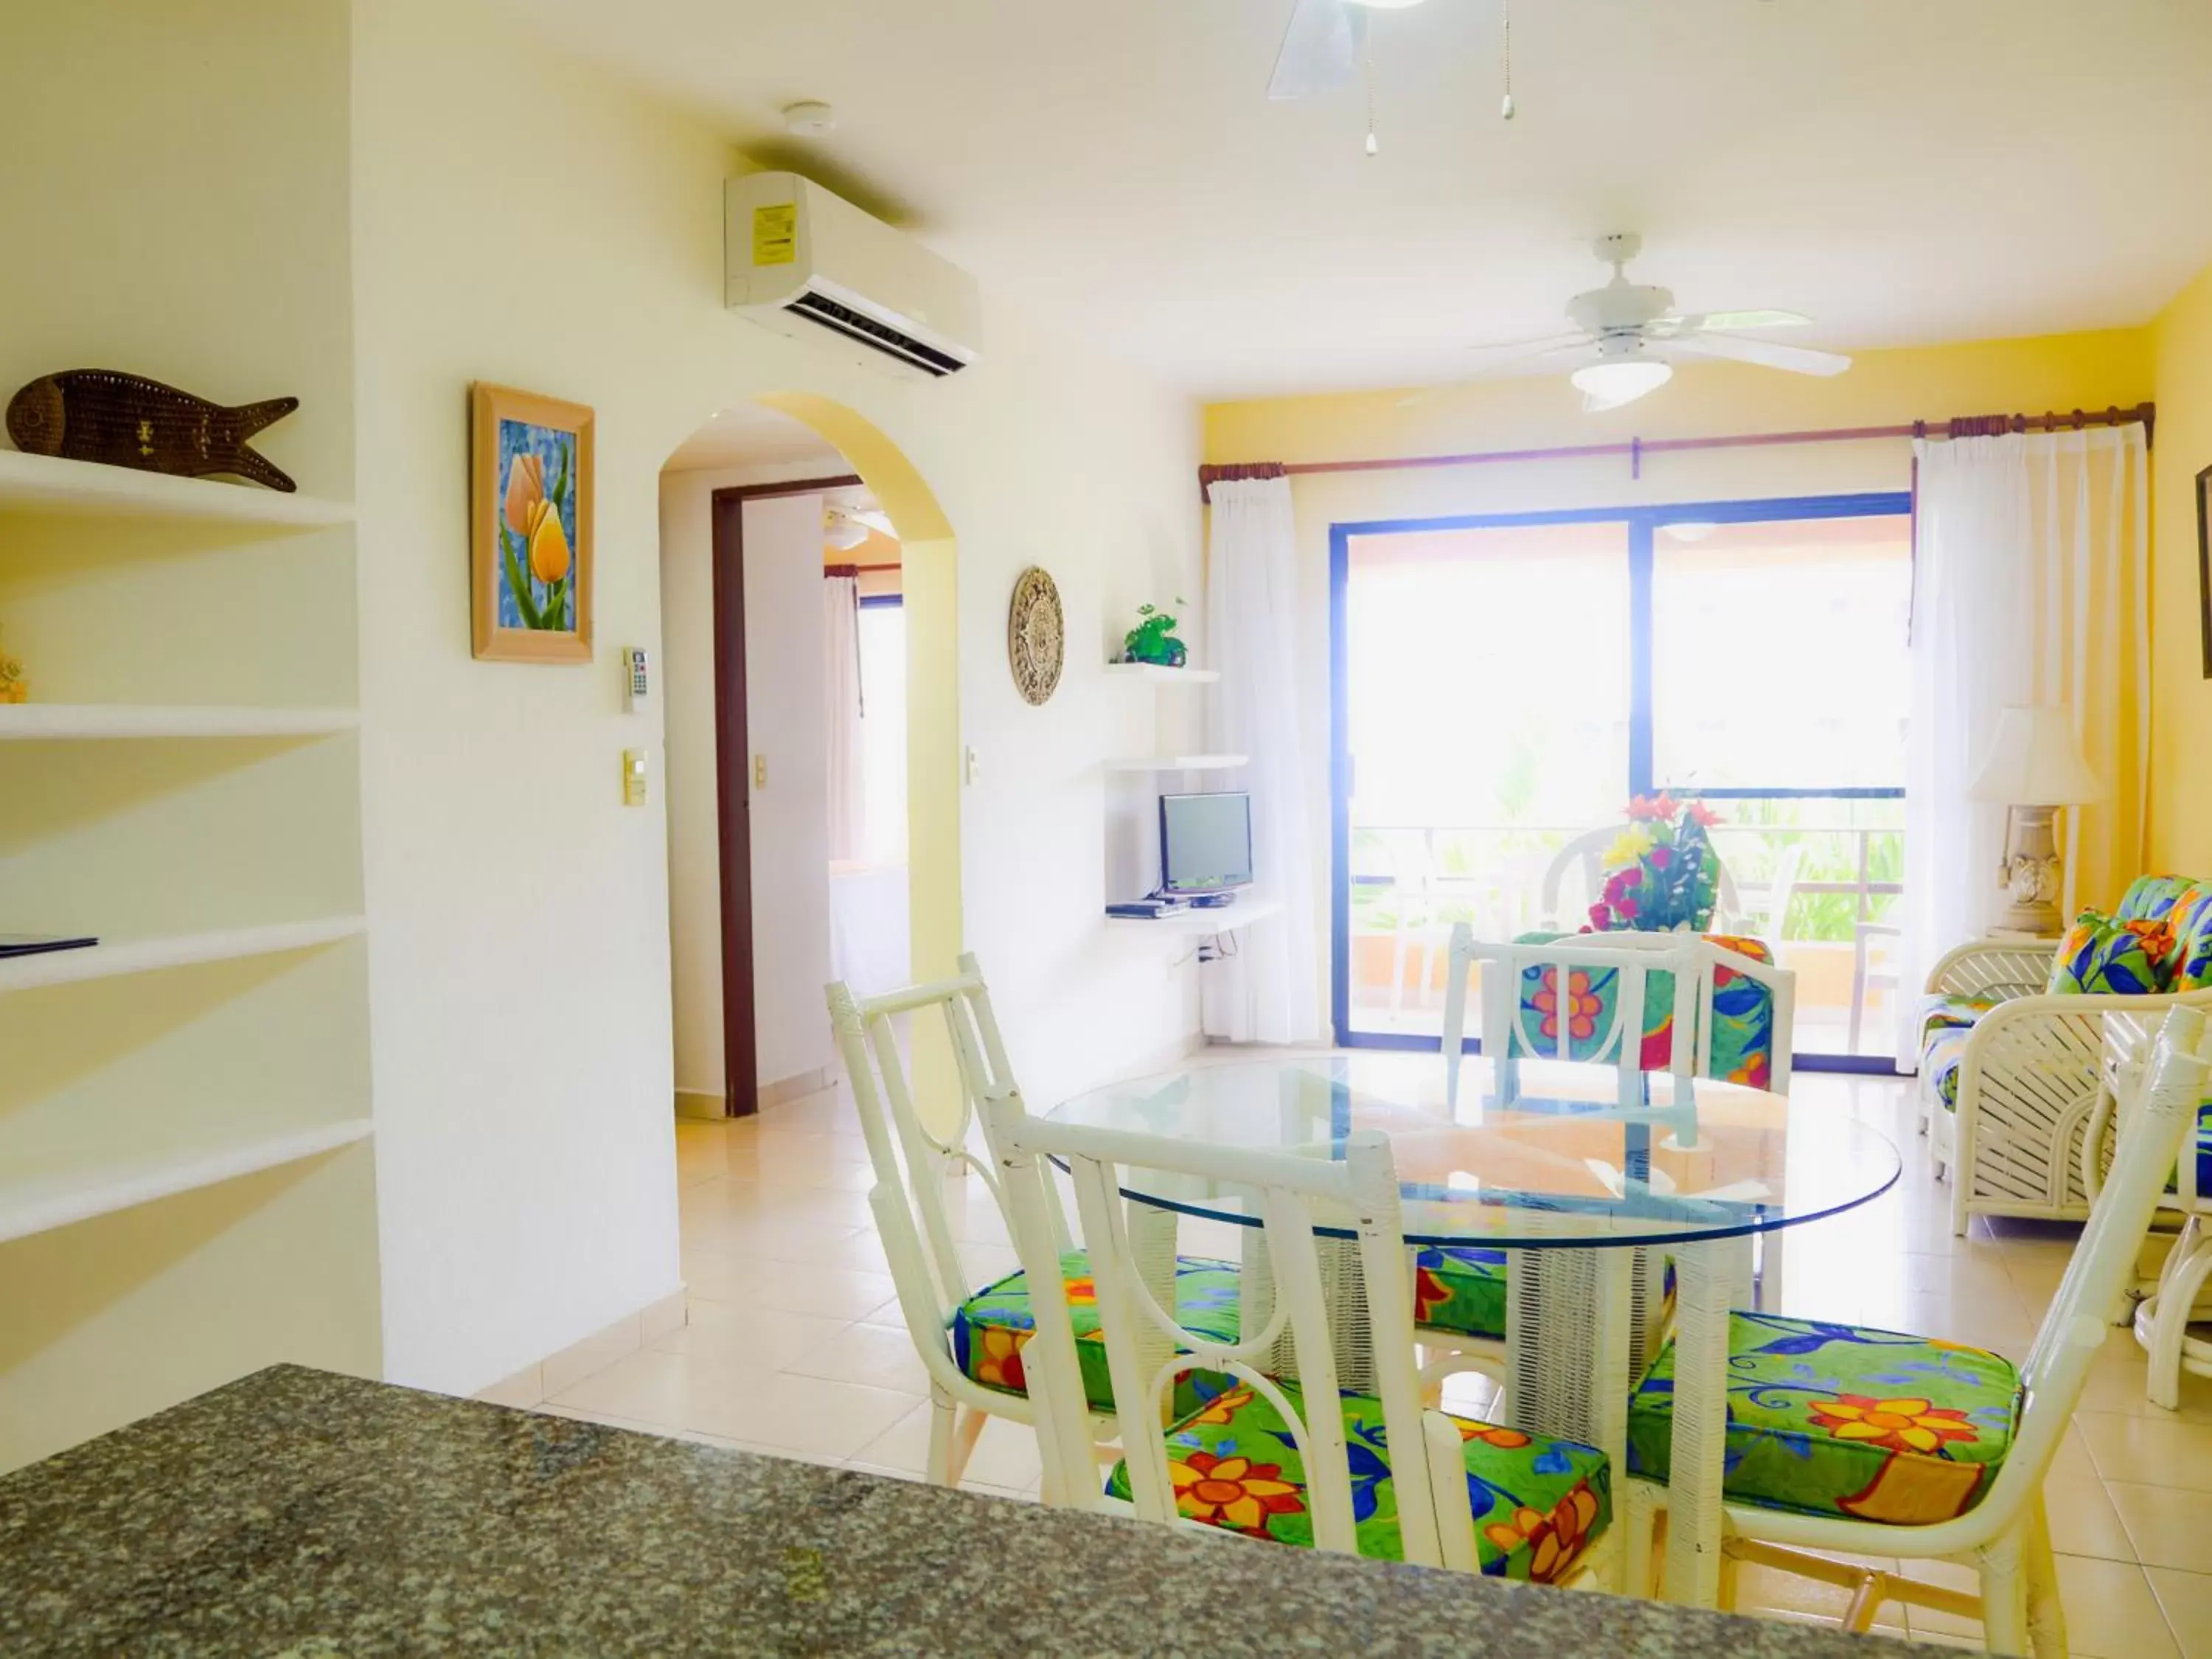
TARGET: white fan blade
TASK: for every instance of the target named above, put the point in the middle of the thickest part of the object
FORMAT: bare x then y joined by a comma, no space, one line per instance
1707,322
1507,351
1571,345
1321,49
1798,360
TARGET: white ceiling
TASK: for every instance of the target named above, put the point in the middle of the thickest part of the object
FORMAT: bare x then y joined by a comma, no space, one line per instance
748,434
1905,171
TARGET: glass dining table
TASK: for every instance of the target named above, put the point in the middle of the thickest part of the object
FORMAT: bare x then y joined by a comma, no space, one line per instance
1541,1159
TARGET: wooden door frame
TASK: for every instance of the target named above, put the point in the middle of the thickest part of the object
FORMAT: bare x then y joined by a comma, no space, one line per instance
733,782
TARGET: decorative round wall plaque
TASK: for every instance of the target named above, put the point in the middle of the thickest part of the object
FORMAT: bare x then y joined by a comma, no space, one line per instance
1037,639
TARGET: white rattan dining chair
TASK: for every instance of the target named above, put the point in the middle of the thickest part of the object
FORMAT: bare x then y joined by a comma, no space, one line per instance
970,1336
2005,1535
1358,1475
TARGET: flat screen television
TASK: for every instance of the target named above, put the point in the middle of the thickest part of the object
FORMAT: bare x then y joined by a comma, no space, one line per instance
1206,842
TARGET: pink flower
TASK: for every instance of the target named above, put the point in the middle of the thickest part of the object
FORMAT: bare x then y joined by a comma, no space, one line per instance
1626,908
1660,857
1599,915
1703,814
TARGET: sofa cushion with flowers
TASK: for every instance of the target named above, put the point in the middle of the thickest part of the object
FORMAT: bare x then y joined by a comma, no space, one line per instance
2103,954
1234,1465
2189,963
1844,1420
992,1327
2152,898
1743,1012
1951,1011
1940,1057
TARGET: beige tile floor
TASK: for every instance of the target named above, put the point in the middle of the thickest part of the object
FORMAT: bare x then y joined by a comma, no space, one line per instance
794,1348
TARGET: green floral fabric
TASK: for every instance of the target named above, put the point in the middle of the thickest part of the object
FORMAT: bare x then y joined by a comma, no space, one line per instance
993,1327
1234,1465
1949,1011
2152,898
2100,954
1941,1058
1743,1013
2189,961
1459,1289
1841,1420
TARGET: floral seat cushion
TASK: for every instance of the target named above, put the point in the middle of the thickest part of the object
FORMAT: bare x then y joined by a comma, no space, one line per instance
1460,1290
1234,1465
1743,1012
993,1327
1940,1061
2101,954
1844,1420
1953,1010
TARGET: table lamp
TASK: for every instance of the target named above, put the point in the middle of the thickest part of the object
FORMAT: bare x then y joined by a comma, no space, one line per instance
2035,767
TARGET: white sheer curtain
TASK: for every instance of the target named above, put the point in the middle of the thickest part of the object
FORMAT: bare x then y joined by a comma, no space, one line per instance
2031,584
1269,990
841,624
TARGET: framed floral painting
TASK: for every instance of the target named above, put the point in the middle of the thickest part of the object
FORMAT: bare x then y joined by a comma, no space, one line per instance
530,541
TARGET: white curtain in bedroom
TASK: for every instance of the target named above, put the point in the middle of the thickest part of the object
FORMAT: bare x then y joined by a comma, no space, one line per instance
2031,584
1269,990
840,622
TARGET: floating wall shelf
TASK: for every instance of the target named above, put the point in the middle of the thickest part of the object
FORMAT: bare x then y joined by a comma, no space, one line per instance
55,721
1157,675
1177,763
45,485
42,1203
1186,924
147,955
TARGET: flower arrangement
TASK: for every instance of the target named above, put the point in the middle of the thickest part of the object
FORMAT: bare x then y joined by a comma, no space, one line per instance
1660,872
1153,638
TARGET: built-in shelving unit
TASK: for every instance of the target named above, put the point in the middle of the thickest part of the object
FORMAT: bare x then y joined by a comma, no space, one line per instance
1153,673
186,1191
42,1203
35,722
1195,923
146,956
47,484
1177,763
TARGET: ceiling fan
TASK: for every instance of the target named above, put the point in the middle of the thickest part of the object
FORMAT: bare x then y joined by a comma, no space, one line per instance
1627,338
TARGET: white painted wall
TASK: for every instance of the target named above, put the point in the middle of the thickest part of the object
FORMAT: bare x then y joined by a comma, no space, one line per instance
523,218
787,717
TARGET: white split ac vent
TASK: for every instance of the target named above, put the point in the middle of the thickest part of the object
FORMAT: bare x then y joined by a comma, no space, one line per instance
808,263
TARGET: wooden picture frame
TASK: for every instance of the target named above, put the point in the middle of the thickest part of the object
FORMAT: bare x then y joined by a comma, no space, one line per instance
530,506
2205,564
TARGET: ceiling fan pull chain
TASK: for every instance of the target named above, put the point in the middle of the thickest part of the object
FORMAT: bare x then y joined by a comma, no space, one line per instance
1367,76
1505,24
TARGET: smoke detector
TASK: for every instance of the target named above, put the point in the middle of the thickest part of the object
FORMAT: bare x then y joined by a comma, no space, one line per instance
809,120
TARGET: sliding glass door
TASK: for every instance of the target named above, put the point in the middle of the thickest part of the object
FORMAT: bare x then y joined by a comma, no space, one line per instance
1504,684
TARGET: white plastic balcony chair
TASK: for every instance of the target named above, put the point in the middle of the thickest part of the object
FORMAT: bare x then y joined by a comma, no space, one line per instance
1148,1350
914,1158
2006,1537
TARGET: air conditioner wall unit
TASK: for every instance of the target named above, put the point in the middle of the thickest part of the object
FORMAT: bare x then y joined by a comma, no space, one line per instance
809,263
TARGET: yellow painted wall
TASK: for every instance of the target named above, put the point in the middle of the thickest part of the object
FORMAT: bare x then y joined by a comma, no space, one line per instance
2181,698
1882,388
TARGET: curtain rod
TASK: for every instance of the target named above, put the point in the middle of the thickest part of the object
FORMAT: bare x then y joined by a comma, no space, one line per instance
1966,426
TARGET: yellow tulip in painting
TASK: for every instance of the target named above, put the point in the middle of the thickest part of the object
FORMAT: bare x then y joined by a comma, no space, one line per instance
14,688
532,542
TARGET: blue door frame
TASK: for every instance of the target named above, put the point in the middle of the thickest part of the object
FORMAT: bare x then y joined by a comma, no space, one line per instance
1642,524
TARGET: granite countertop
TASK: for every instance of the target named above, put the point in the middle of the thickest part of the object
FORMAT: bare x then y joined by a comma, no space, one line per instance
298,1512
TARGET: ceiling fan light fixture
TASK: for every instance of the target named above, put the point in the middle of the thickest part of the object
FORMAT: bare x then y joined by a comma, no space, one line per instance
1622,380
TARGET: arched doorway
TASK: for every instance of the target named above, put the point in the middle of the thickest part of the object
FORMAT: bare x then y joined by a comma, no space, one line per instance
705,616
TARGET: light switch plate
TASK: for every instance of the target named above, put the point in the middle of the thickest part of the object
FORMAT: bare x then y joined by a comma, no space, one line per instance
634,777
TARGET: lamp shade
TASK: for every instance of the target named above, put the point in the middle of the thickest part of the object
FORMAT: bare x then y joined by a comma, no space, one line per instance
2036,760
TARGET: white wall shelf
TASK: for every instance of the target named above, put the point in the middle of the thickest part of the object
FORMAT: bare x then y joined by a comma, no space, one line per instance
54,721
1155,674
147,955
1177,763
1186,924
43,1203
47,485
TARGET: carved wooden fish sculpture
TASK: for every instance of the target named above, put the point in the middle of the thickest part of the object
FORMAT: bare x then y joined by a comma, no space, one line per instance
126,419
